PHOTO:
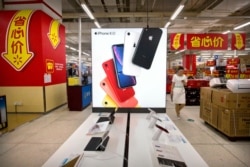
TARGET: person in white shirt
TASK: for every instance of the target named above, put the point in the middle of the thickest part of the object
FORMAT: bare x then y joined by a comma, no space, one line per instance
178,95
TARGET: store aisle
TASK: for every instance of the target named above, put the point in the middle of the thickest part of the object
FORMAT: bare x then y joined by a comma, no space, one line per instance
33,143
213,146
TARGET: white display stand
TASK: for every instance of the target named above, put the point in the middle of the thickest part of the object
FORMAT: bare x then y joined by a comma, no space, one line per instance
75,144
141,151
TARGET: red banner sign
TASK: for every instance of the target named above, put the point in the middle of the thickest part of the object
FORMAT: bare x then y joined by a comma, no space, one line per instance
238,41
215,73
207,73
245,74
233,61
210,63
177,41
232,71
207,41
32,49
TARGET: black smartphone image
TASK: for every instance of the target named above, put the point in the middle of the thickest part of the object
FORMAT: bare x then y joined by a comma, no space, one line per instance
147,45
124,81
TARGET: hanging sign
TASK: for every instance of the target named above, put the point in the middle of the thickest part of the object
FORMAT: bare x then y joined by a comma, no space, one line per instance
238,41
233,61
177,41
207,41
210,63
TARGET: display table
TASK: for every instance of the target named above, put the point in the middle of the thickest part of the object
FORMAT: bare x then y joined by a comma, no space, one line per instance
141,151
75,144
79,97
138,148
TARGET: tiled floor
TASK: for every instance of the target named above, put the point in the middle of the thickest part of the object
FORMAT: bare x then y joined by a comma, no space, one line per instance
17,119
31,144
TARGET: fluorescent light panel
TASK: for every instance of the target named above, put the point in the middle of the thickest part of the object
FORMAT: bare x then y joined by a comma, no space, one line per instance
242,25
177,12
180,51
226,32
86,9
167,24
97,24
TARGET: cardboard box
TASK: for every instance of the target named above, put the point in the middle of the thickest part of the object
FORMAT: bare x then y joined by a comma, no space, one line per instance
234,122
209,112
227,99
206,93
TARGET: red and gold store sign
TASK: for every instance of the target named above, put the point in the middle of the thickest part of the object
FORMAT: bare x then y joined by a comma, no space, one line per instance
233,61
17,52
210,63
177,41
189,73
232,74
207,41
170,71
238,41
207,72
215,73
245,75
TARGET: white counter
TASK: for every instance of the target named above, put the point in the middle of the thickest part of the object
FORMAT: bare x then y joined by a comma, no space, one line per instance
75,144
141,151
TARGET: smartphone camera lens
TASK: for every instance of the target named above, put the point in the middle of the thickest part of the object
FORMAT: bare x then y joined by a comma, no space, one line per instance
128,33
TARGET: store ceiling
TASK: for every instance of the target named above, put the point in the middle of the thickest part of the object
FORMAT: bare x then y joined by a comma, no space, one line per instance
198,16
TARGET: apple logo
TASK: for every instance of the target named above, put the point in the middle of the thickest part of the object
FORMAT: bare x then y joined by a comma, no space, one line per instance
150,37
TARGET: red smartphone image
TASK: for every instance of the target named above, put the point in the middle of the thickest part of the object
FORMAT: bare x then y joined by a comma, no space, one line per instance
161,128
122,94
105,85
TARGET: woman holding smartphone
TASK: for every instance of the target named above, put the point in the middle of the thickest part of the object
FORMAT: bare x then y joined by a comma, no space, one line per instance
178,95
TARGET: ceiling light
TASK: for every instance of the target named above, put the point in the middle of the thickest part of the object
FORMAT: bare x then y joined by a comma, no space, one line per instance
226,32
85,53
179,51
176,13
97,24
241,26
86,9
167,24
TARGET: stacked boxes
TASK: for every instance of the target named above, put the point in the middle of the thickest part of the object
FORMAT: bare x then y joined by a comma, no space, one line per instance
227,111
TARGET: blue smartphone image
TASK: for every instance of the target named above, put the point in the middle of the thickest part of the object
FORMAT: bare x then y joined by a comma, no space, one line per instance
124,81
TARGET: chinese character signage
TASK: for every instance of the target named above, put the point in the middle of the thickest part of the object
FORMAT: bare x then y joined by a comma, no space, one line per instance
17,47
245,74
207,41
32,45
238,41
210,63
232,74
233,61
177,41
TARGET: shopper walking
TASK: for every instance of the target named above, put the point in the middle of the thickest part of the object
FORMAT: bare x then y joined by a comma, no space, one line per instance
178,90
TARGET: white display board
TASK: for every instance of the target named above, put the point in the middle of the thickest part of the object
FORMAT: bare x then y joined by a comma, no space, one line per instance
150,87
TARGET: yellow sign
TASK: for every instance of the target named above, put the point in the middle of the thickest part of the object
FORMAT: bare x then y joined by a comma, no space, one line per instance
176,41
17,52
49,66
53,34
239,41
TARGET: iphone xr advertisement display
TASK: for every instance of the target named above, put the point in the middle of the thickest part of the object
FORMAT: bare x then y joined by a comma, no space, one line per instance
129,68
